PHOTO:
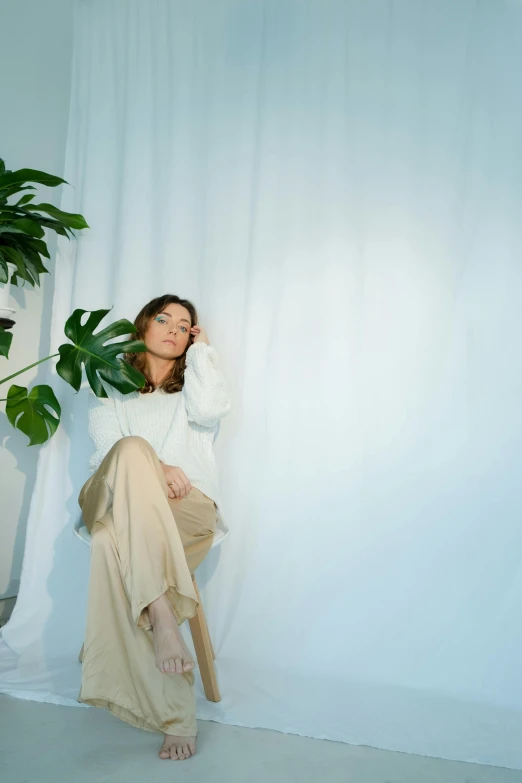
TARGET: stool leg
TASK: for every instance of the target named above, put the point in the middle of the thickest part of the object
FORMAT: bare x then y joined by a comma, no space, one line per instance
204,619
204,651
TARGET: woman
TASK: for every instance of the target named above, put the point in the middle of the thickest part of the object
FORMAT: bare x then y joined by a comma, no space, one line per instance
151,507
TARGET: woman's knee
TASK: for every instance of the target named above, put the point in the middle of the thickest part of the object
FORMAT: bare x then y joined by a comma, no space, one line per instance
132,444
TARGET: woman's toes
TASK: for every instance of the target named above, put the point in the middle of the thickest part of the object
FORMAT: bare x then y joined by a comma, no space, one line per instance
177,752
176,666
178,748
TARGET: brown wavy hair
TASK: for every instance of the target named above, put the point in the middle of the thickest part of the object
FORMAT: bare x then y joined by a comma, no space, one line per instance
175,381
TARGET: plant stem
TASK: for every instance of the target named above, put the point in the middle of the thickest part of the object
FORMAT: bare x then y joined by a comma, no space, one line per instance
3,380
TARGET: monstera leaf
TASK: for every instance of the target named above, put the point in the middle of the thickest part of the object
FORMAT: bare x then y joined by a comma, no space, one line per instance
90,350
28,412
5,342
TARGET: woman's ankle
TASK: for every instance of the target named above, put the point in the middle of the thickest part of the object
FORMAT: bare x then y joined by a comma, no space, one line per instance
160,608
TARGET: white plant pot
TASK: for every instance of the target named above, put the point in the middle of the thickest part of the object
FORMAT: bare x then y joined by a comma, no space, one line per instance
6,309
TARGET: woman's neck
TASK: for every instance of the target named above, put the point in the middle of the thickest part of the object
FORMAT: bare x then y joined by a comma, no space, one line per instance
158,369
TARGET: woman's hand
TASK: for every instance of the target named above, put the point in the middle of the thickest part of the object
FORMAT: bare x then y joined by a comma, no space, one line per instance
177,483
199,335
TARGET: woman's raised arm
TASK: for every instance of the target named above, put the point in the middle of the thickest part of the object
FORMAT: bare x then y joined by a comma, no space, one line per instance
204,391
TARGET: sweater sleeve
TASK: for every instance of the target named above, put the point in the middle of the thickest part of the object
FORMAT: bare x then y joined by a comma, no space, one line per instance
104,427
204,390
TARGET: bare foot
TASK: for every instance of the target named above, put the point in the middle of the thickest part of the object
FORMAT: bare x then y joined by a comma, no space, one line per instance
172,654
177,748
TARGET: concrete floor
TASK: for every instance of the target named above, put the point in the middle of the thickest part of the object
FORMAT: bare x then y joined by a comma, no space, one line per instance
44,743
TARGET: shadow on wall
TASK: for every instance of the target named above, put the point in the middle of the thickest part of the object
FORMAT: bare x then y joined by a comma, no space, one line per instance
16,442
6,610
68,579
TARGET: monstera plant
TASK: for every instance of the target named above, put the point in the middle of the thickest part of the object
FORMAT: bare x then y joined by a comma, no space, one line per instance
22,245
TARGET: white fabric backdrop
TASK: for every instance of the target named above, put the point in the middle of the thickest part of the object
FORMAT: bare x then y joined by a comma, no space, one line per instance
337,186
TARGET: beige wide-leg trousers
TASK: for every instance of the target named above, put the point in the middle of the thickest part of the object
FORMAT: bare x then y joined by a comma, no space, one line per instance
143,545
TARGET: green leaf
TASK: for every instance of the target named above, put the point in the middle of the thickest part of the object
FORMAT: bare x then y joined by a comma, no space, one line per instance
33,261
89,349
5,193
4,269
67,218
2,166
41,221
26,272
25,199
29,175
23,251
40,247
9,229
31,227
14,256
14,209
6,339
55,226
28,412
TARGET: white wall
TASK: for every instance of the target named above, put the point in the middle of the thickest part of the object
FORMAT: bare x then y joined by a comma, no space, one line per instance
35,61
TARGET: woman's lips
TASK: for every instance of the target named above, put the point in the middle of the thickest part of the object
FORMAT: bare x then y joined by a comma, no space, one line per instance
169,341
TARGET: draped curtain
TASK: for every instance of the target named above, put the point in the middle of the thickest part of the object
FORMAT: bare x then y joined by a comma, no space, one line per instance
336,184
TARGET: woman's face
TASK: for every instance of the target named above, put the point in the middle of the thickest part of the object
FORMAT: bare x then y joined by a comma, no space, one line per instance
168,333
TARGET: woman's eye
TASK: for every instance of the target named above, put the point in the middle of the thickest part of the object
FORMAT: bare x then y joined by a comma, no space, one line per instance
161,320
184,328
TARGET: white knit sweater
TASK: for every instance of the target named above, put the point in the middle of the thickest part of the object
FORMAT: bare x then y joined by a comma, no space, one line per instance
181,427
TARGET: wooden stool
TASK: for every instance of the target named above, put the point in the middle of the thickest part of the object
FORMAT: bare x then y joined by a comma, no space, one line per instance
204,650
198,625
